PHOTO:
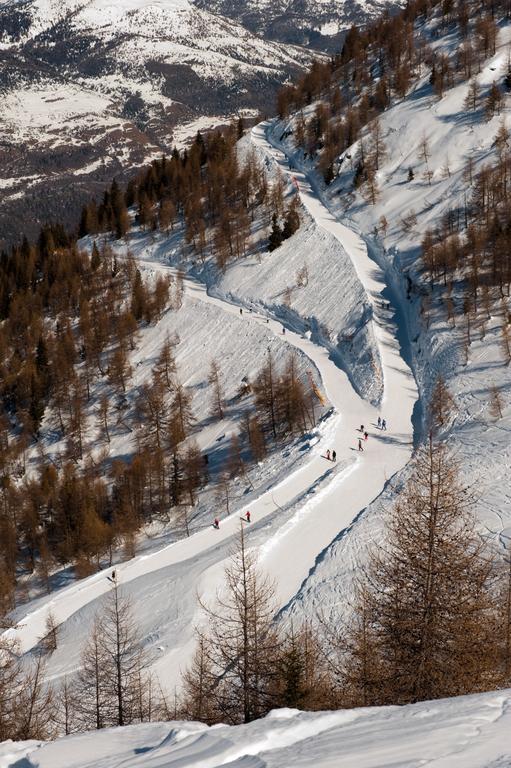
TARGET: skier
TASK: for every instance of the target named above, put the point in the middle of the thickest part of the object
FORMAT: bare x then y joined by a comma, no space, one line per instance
216,523
241,311
360,446
334,456
361,428
247,515
365,435
283,329
328,455
384,425
379,422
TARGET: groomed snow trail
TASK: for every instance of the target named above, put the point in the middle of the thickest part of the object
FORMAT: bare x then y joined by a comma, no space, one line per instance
385,452
346,487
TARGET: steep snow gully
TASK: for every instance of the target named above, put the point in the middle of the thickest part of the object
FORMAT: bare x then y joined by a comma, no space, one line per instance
333,494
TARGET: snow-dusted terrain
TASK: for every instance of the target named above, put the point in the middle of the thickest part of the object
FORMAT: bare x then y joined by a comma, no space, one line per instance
317,22
468,732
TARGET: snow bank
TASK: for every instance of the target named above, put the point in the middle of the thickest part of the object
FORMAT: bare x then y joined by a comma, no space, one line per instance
467,732
332,305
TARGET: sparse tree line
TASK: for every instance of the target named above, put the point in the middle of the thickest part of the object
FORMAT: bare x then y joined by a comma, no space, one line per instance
468,256
113,686
377,65
79,512
430,617
71,323
206,190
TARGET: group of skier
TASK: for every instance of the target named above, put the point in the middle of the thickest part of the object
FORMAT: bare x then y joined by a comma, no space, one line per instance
382,425
331,455
246,519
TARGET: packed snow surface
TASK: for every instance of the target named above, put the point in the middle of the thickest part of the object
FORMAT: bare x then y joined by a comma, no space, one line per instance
467,732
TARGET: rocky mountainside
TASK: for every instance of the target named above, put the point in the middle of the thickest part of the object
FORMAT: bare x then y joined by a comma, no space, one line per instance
92,89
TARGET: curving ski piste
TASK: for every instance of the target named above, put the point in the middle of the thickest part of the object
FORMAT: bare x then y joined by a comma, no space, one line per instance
324,497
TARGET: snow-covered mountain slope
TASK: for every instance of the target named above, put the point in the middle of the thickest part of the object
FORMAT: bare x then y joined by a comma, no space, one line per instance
302,513
92,89
453,733
479,437
338,320
311,528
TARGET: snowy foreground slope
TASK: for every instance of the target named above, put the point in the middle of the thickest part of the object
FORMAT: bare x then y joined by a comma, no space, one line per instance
467,732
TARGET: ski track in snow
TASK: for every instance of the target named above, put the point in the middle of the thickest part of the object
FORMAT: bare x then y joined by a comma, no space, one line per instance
357,479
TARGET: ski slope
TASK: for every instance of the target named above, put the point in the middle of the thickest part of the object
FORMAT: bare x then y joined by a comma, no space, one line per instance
321,498
464,732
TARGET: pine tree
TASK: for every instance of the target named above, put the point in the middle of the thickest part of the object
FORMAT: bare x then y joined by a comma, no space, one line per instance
302,677
264,388
442,405
103,409
241,642
255,436
108,686
123,654
275,239
66,707
427,606
138,297
217,401
493,101
35,705
472,98
182,407
95,260
377,149
495,402
291,221
199,684
50,633
92,696
10,682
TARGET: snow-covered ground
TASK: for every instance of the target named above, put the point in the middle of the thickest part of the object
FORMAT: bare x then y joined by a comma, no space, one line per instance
432,347
298,517
468,732
360,328
333,305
